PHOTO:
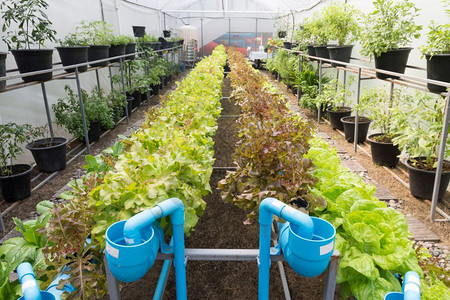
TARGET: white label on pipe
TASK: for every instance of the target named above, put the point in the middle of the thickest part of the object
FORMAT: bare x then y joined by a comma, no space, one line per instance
412,288
28,284
327,248
129,241
112,251
414,279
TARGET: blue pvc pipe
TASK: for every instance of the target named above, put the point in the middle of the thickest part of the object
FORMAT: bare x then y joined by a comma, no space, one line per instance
175,208
30,288
411,286
267,209
163,277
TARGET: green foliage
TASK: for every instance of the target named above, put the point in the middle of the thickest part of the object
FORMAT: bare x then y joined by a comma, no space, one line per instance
147,38
417,126
438,39
372,239
270,155
334,94
72,40
12,136
34,27
341,21
317,25
96,107
121,40
25,248
117,99
95,32
309,85
390,26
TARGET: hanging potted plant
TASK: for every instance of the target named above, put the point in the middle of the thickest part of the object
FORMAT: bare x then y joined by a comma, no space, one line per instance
334,98
72,51
386,33
98,35
342,26
437,54
167,33
34,28
417,128
138,31
49,153
379,107
15,179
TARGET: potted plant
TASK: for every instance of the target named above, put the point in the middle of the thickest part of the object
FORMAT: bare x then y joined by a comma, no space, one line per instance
386,33
15,179
138,31
437,54
342,26
318,27
417,128
167,33
3,69
148,42
334,98
350,124
118,101
49,153
34,28
130,47
379,107
72,51
118,45
98,35
97,111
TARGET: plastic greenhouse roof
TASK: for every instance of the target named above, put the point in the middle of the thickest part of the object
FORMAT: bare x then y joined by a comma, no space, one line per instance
229,8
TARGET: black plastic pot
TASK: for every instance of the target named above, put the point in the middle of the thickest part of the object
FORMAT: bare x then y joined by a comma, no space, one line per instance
139,31
130,48
94,132
287,45
136,99
49,154
336,116
72,56
340,53
311,50
349,128
394,60
281,34
18,185
2,69
155,89
129,106
322,51
116,50
30,60
438,67
166,33
168,45
383,154
98,52
421,182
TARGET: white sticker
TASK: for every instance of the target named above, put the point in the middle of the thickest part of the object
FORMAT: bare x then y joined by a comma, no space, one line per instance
28,284
327,248
412,288
129,241
112,251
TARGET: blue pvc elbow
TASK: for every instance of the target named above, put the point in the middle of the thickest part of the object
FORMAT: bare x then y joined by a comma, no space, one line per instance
411,286
30,288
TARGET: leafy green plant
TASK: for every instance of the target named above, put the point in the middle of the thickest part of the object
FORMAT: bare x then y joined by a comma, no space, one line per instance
147,38
121,40
417,126
334,94
390,26
72,40
13,136
95,32
372,239
34,27
318,27
438,39
341,21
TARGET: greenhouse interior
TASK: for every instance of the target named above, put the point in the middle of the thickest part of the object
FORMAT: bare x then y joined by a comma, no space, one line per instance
253,149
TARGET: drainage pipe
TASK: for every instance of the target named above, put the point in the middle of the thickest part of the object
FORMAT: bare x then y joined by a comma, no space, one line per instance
30,288
267,209
160,286
175,208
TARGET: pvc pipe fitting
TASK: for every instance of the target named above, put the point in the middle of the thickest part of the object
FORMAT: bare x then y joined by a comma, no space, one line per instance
30,288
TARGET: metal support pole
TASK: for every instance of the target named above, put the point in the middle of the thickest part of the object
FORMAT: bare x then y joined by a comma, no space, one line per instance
437,179
345,79
2,225
229,32
330,284
127,113
320,90
47,110
202,44
113,285
337,78
256,33
98,78
110,79
300,68
358,93
83,115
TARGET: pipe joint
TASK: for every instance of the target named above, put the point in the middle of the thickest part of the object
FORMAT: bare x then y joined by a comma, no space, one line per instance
133,226
173,207
30,288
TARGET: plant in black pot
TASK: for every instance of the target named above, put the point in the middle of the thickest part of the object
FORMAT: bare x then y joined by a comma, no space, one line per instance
130,46
309,87
437,53
49,152
72,51
118,45
33,29
386,33
334,97
378,105
417,128
98,35
148,42
15,179
167,33
318,28
138,31
350,125
97,111
118,101
342,26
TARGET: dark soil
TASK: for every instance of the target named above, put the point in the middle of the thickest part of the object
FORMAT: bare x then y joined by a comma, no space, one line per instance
423,164
360,120
381,138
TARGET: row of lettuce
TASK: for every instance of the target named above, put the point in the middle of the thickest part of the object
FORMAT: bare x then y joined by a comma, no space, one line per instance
171,155
278,156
